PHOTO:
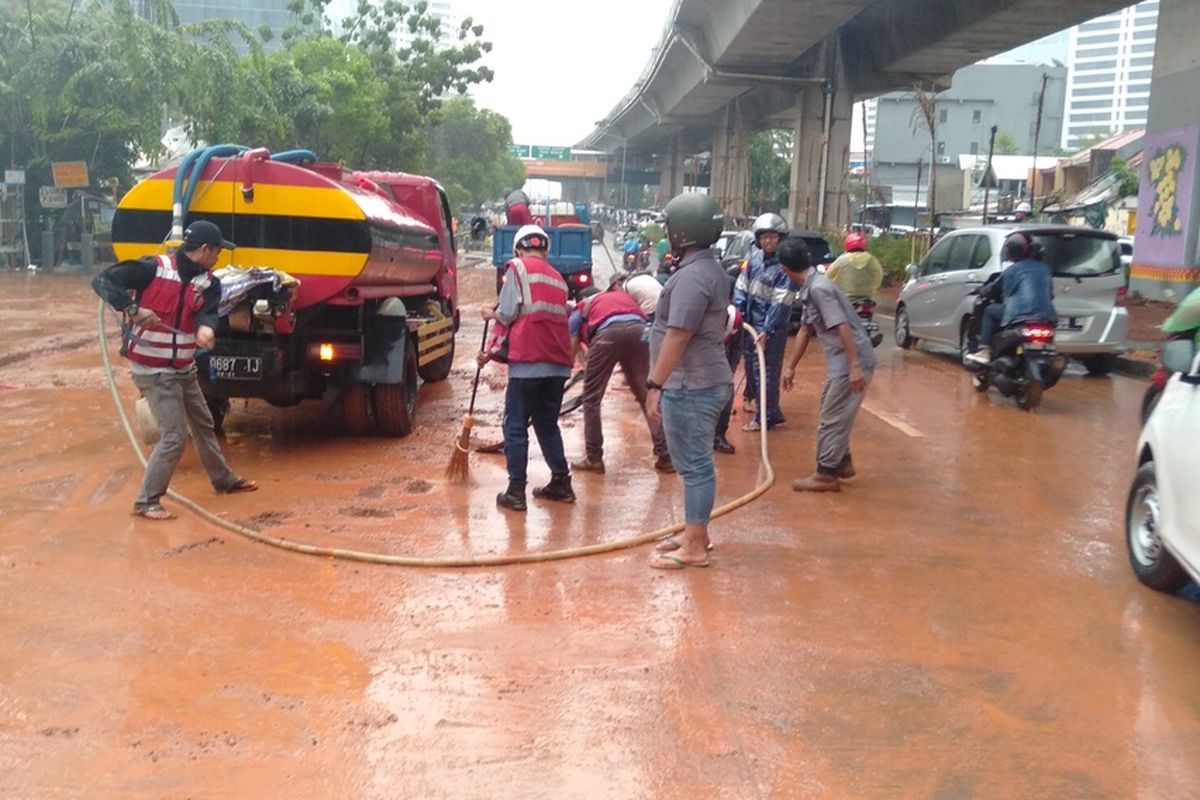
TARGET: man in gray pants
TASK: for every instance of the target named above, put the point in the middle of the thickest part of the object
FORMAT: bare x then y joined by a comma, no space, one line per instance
170,308
849,364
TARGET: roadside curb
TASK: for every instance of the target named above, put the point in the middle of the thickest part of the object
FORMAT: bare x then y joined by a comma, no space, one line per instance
1132,367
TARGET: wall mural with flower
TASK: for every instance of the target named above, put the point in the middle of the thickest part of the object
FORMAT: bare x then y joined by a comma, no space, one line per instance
1166,198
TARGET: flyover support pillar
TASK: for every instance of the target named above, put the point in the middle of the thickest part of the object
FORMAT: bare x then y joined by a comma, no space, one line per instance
818,194
731,164
671,171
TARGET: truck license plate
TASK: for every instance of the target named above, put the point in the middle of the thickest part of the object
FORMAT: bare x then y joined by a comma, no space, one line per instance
235,368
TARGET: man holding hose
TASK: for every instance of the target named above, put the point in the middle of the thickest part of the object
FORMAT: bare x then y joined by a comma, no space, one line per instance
170,306
690,380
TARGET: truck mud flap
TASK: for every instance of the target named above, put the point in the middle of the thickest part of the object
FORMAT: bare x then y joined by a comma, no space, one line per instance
384,353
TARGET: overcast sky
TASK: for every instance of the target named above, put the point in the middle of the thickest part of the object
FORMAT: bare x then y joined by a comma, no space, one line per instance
561,66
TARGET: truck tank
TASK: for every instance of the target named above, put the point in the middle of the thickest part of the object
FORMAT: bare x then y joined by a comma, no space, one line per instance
339,232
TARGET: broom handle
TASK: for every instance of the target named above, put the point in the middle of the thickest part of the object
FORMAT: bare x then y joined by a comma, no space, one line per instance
478,370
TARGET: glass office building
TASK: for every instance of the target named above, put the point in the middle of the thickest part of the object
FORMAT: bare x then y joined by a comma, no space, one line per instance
1110,60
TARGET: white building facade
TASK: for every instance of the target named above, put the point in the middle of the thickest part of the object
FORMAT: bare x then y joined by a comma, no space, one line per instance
1109,62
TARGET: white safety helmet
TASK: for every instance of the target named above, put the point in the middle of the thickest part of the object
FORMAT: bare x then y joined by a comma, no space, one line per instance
1024,208
531,237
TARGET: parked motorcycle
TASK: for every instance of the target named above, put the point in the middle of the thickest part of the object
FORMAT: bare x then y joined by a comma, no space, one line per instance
865,307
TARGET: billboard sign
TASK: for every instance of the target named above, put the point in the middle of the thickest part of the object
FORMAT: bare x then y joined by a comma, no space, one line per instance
70,174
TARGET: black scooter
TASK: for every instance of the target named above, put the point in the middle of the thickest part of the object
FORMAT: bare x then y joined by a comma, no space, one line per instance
865,307
1024,361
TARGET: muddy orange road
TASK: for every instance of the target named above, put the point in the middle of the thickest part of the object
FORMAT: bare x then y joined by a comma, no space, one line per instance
959,622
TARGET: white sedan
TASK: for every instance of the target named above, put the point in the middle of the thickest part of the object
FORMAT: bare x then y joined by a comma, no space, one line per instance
1162,515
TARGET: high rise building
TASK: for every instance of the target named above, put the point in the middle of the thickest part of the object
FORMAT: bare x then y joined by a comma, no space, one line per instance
1110,60
255,14
339,10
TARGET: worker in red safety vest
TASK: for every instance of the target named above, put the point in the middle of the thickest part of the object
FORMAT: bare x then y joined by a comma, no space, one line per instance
612,326
170,307
532,338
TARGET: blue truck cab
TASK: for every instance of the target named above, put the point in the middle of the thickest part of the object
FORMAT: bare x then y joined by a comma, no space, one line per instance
570,254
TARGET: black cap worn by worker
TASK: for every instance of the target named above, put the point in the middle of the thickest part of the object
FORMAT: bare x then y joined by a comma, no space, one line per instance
203,232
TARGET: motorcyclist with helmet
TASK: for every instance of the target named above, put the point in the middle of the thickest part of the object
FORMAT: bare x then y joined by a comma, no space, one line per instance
764,295
856,272
1026,288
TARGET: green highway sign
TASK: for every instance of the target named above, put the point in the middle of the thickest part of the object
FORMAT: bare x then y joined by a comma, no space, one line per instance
552,153
541,151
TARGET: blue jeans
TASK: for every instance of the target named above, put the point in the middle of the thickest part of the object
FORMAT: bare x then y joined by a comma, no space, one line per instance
773,352
992,315
534,401
690,422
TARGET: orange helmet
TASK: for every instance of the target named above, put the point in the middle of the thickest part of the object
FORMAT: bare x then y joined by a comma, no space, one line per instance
855,241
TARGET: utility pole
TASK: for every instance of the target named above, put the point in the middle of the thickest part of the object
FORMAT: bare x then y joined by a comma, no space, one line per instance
987,184
1037,134
916,202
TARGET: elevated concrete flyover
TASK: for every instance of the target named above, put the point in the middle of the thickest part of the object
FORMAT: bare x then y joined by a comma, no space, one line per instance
726,68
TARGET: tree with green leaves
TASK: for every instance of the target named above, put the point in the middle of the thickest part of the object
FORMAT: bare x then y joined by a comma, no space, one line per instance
1006,144
770,156
469,153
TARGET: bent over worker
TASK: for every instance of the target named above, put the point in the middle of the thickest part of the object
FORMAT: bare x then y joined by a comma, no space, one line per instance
849,365
170,304
613,327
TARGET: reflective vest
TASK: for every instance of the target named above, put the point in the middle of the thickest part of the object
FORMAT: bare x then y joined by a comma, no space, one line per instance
600,307
171,343
539,334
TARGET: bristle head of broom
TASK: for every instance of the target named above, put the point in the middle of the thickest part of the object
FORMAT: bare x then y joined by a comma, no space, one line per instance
459,465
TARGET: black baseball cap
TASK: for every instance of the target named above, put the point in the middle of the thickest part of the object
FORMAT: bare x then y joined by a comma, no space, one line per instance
204,232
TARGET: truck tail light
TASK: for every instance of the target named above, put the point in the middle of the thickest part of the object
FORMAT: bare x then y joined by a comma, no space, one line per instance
1121,293
329,352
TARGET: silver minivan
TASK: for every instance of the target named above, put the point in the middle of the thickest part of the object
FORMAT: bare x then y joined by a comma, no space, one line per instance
1089,289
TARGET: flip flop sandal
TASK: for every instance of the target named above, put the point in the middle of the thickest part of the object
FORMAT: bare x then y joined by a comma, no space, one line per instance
153,511
671,562
670,544
243,485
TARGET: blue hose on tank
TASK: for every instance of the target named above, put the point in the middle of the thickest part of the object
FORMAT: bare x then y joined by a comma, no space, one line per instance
193,166
295,157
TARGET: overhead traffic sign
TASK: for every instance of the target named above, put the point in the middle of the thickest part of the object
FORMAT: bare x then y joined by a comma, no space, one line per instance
542,152
551,153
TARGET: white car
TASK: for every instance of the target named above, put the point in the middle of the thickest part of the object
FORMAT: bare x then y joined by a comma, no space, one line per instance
1162,515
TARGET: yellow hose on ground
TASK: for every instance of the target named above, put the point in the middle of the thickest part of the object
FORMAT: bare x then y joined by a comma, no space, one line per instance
438,561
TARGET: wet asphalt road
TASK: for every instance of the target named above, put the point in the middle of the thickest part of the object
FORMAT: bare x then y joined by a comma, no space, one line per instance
961,622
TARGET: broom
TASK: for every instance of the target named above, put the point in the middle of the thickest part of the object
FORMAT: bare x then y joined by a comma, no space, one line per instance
460,465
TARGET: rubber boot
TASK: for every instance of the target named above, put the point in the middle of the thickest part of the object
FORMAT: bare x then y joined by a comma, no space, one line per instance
513,497
559,488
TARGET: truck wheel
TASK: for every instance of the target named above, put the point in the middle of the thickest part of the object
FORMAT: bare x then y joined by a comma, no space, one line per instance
356,410
396,403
